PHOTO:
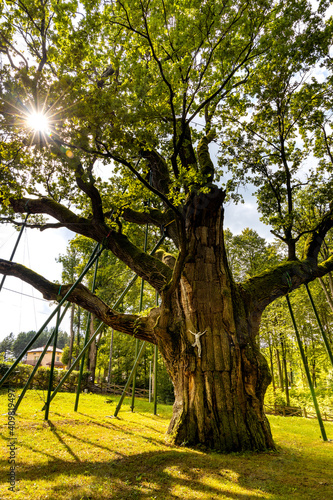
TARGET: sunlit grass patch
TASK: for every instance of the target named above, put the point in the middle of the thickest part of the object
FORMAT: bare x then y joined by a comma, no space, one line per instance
88,455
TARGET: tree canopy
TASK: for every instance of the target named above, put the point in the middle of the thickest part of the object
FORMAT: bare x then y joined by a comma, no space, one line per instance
121,85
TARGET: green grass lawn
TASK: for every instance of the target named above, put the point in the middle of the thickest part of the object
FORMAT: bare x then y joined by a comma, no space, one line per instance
86,455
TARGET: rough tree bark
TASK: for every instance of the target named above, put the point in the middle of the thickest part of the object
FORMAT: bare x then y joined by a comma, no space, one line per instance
218,392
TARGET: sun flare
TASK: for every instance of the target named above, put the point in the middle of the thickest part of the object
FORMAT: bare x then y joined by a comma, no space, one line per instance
38,122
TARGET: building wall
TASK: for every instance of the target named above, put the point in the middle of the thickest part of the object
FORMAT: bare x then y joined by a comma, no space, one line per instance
33,356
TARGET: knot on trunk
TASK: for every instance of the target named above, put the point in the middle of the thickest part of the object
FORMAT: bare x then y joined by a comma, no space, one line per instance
202,207
166,258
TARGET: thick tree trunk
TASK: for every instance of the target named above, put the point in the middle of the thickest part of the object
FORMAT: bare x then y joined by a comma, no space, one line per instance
220,380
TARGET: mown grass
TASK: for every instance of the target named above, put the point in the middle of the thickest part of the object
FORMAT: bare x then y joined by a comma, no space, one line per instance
86,455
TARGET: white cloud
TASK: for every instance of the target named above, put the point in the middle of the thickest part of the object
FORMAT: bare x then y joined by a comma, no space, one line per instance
238,217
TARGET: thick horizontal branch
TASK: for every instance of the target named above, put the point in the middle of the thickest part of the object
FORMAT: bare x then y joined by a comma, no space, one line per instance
284,278
139,327
146,266
47,206
149,216
165,220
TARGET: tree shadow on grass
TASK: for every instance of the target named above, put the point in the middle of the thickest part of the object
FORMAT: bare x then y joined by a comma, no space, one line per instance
84,464
184,473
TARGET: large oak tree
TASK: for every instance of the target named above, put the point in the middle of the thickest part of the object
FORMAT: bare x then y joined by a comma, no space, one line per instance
141,88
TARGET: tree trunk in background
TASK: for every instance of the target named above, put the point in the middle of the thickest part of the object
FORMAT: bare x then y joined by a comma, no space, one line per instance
220,382
279,368
78,328
272,364
327,295
313,365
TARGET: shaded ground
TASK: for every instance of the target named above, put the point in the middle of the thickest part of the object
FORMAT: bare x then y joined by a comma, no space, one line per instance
87,455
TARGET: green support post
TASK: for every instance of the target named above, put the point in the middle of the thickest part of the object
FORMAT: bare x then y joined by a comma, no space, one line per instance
47,408
137,361
155,371
78,390
134,374
155,378
307,371
84,272
15,247
323,334
140,309
116,304
64,378
32,374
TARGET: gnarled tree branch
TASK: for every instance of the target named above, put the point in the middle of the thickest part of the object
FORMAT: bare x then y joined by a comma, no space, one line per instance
87,186
149,216
139,327
146,266
283,279
160,178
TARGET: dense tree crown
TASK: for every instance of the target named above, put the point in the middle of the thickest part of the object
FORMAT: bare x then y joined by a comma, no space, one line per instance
139,90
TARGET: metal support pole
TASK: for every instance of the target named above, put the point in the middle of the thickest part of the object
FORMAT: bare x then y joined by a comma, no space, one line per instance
323,334
15,247
149,387
84,272
116,304
137,361
47,406
155,378
78,389
155,369
140,309
307,371
110,357
32,374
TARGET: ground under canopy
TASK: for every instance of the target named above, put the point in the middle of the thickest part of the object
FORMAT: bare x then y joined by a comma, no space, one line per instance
88,455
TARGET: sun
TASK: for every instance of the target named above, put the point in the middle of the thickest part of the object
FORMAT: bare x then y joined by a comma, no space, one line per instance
38,122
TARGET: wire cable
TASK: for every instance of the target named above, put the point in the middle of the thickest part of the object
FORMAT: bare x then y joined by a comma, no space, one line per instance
21,293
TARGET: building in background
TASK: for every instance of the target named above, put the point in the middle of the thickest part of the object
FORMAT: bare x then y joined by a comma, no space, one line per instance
34,354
